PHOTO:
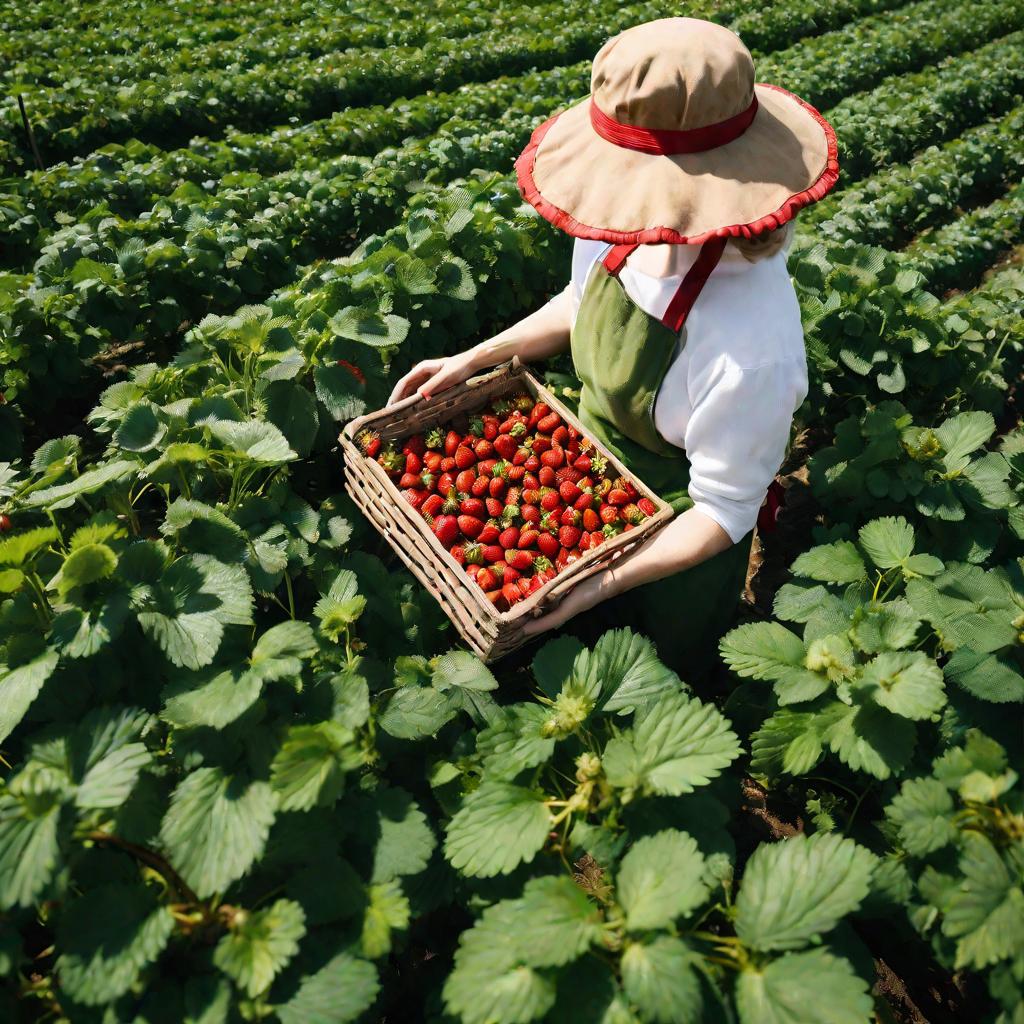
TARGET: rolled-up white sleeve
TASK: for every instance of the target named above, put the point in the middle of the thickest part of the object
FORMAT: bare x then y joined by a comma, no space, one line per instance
737,436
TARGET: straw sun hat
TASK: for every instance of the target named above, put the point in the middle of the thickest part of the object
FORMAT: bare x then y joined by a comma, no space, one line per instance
676,143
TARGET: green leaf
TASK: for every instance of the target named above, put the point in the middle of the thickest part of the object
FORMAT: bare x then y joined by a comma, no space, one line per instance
871,739
309,769
659,978
498,827
803,988
417,712
907,683
256,440
884,627
960,435
336,994
141,429
762,650
107,937
216,828
29,846
796,890
923,813
552,664
20,686
623,670
107,755
563,923
660,879
387,911
464,670
515,741
677,744
839,562
403,840
340,392
985,913
291,408
789,741
19,548
62,495
212,697
888,541
368,327
260,944
195,599
85,565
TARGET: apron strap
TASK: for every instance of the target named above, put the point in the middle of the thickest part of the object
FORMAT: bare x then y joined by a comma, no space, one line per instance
695,279
616,256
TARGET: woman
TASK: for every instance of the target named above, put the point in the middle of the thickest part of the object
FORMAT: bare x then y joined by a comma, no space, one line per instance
679,179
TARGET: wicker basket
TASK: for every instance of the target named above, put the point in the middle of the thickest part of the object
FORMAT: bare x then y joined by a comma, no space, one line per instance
491,633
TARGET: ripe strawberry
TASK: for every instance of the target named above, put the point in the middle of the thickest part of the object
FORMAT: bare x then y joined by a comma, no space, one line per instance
546,477
480,485
445,483
451,442
508,574
549,424
582,463
410,480
646,506
471,526
584,544
447,464
560,436
464,457
493,552
506,446
530,481
569,536
490,533
543,569
464,481
473,507
509,537
540,445
413,463
532,464
569,473
550,501
483,448
519,559
622,483
537,413
527,538
596,538
472,569
632,514
570,517
446,529
530,514
415,496
562,559
549,521
497,487
617,496
513,495
568,492
547,544
585,500
602,487
432,462
486,579
609,514
626,527
553,458
516,473
591,520
432,505
494,506
511,593
458,552
414,445
490,426
369,441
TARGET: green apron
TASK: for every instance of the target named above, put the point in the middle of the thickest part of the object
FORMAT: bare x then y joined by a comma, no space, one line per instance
621,354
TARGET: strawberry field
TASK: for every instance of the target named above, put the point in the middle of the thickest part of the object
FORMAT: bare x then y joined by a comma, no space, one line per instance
249,770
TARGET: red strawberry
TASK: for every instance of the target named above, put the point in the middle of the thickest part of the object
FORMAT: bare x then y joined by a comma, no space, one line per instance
464,457
448,464
537,413
509,537
471,526
413,463
445,482
540,445
582,463
609,514
562,559
561,436
472,569
549,424
546,477
451,442
596,538
547,544
570,517
480,485
506,446
370,442
569,492
584,544
513,495
446,530
532,464
493,553
415,496
516,473
490,427
486,579
498,487
432,505
553,458
646,506
531,496
414,445
494,506
410,480
591,520
490,533
550,501
585,500
530,481
568,473
626,527
569,536
473,507
617,496
432,461
519,559
464,481
458,552
527,538
530,513
511,593
488,466
483,448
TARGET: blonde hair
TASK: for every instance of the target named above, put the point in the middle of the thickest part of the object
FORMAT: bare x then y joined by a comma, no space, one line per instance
766,244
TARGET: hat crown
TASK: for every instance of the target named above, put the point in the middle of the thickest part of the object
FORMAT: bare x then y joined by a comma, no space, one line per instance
673,74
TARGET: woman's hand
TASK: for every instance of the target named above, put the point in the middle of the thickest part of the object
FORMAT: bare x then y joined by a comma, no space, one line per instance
434,375
580,599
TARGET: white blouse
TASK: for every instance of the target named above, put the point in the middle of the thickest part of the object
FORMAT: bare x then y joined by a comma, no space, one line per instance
729,394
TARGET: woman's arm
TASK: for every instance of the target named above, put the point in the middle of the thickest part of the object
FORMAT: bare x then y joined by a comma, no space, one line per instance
543,333
685,542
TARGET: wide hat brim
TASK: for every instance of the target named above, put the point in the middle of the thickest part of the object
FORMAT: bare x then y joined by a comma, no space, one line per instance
593,188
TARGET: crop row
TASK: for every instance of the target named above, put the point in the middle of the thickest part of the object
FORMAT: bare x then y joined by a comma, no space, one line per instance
78,119
129,281
129,178
890,208
955,255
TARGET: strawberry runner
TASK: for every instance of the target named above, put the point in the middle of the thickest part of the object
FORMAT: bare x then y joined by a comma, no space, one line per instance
621,353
